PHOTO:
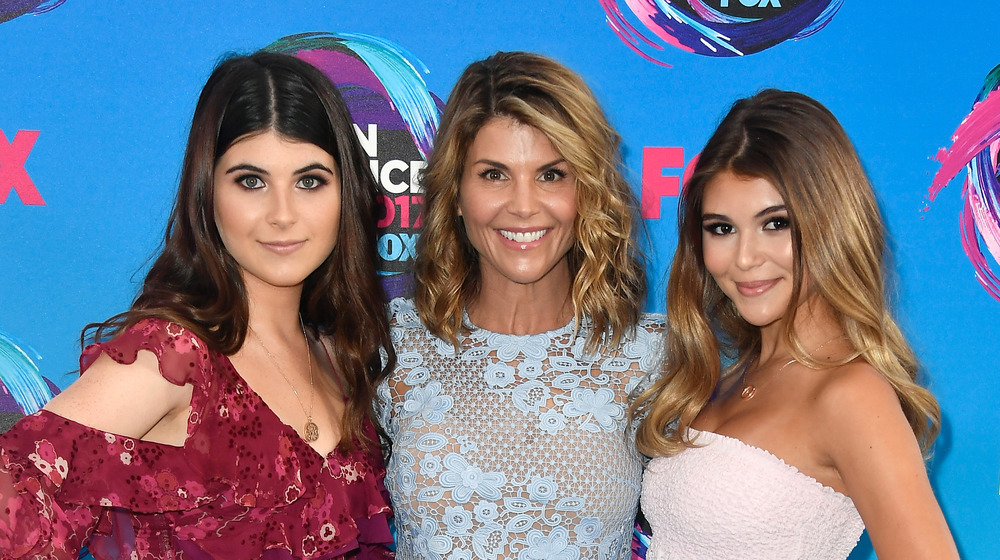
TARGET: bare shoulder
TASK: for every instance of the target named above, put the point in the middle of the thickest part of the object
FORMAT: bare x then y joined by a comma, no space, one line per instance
855,392
857,411
126,399
865,436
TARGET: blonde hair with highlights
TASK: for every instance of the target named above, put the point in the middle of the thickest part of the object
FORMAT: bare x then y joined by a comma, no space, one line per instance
838,236
605,263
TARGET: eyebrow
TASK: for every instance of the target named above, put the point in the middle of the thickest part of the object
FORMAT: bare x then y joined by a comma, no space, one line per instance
543,167
246,167
313,167
255,169
765,212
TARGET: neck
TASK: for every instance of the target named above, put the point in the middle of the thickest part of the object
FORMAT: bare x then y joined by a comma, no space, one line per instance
813,324
274,311
508,307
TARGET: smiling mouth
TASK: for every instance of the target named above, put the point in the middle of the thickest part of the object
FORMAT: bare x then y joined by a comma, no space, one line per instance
523,236
755,288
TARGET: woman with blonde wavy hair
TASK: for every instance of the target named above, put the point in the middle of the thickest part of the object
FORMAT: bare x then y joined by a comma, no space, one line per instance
810,429
507,409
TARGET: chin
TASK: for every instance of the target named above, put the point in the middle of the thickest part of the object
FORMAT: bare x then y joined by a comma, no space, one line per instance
760,320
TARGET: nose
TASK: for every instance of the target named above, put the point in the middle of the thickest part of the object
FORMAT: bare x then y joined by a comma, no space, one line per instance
748,252
524,199
281,207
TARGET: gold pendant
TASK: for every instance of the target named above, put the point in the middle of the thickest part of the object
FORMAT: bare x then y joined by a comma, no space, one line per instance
312,431
748,392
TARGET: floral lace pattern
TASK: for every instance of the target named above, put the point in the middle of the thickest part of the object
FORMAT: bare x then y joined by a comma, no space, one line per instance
243,485
513,446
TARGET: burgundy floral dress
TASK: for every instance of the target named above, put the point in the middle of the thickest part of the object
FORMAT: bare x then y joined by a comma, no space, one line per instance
243,485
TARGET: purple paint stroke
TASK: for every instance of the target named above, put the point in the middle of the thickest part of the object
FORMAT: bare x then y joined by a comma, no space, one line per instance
737,39
10,9
358,86
387,69
657,21
694,26
712,15
971,213
975,145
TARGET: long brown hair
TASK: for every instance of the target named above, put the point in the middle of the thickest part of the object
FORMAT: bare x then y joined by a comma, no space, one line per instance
797,145
196,282
606,265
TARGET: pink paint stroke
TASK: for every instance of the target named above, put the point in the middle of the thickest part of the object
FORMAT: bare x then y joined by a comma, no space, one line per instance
978,130
645,9
634,35
975,145
628,33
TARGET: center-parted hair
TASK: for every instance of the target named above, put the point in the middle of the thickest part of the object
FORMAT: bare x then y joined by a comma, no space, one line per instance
608,284
838,236
196,282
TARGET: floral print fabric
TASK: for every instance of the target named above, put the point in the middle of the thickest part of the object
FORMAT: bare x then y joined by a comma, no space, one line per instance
513,446
243,485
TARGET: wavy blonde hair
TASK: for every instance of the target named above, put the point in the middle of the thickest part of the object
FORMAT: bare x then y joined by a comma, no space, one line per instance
797,145
605,263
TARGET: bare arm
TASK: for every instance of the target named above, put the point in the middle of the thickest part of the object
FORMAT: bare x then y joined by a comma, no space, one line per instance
132,400
871,445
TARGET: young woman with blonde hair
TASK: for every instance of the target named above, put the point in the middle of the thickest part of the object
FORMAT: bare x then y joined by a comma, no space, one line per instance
810,429
525,337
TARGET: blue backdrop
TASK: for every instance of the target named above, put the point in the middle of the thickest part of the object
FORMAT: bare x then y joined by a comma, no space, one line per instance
95,98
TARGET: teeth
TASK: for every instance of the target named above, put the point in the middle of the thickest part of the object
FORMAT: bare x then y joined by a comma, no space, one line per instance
523,236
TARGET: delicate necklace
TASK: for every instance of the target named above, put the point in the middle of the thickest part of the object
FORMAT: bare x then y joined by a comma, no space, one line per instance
749,389
311,432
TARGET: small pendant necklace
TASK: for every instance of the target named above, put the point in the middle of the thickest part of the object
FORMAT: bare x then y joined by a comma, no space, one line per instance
749,389
311,430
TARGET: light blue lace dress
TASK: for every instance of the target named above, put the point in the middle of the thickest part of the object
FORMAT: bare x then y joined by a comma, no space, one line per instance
516,446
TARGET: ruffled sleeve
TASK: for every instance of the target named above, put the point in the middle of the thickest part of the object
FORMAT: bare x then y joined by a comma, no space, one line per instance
183,357
57,477
243,483
35,458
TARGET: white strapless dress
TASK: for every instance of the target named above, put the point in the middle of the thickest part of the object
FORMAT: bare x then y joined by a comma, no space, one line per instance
729,500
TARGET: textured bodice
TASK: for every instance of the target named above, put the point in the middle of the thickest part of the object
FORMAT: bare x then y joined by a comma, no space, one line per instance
727,499
513,446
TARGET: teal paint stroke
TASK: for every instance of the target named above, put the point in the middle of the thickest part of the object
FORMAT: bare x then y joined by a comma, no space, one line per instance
19,375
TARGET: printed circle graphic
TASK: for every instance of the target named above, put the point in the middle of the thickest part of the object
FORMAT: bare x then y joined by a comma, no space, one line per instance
396,117
716,28
10,9
975,145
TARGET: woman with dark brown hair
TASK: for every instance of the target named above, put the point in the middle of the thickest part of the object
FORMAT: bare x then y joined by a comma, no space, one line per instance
227,413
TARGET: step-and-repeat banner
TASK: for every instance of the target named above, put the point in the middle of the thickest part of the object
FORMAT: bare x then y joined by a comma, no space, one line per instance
96,95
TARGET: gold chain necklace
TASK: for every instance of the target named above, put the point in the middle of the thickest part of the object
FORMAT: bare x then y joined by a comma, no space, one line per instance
749,389
311,431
